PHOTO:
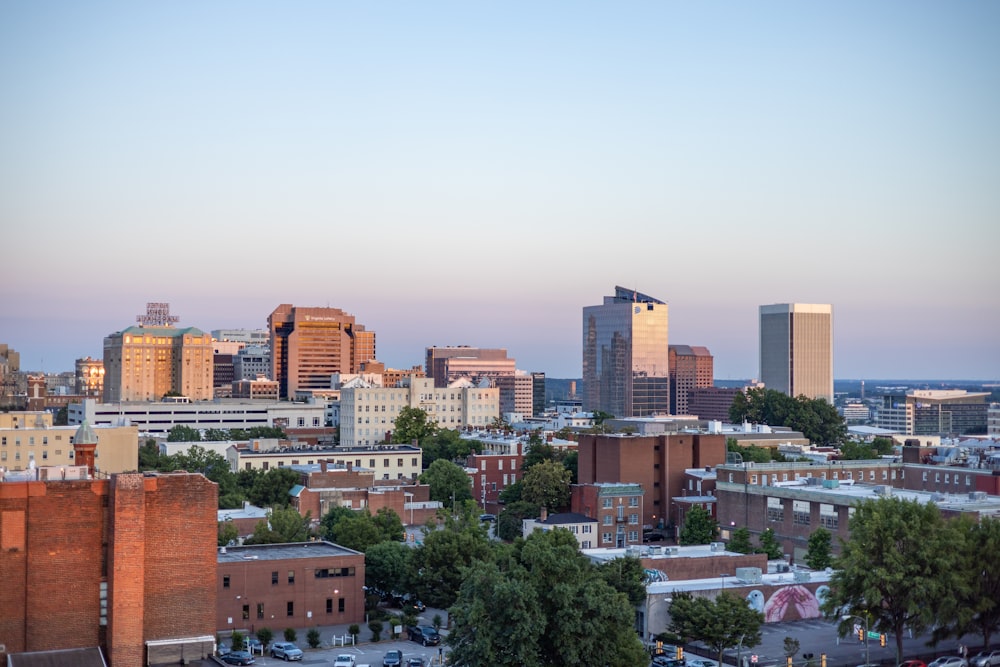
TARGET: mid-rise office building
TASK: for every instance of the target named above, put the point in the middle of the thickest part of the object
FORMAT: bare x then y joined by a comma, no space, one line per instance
537,394
690,368
516,394
935,412
308,345
447,364
90,377
796,349
154,359
368,414
251,363
626,368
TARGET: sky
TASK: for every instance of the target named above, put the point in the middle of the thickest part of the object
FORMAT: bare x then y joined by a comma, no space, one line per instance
457,173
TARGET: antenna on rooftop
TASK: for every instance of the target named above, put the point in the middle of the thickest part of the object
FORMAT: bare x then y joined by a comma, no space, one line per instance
157,315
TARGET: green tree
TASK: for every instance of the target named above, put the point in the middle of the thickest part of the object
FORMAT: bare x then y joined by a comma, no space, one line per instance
547,484
412,424
817,419
271,488
509,522
791,647
328,522
699,527
312,638
896,569
376,628
149,457
181,433
740,541
387,566
265,636
290,526
543,603
719,624
227,533
437,563
216,435
290,635
447,444
511,493
389,525
61,417
975,609
883,446
852,450
236,640
357,531
819,552
769,545
448,482
626,575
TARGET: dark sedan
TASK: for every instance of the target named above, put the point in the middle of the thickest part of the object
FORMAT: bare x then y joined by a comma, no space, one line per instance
238,658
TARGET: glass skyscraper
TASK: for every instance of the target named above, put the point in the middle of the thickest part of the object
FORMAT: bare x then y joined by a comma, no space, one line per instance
625,355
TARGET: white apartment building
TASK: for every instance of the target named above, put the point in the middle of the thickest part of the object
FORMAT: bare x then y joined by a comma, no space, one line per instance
368,414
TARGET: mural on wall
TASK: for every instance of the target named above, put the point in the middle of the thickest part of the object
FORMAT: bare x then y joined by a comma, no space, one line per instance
801,599
652,576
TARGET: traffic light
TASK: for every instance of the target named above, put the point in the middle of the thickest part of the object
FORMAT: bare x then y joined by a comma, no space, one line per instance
680,653
659,647
861,634
881,640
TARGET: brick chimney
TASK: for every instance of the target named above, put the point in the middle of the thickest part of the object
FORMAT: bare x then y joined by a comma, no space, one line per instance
84,447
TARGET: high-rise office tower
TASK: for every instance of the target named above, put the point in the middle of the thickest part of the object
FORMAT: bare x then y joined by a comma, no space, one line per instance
625,355
691,367
146,362
796,349
309,345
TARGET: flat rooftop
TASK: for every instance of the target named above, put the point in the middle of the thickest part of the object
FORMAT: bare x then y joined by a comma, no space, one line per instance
283,551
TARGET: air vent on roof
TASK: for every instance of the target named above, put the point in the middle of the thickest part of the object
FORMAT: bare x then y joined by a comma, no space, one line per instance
718,546
800,576
673,551
749,575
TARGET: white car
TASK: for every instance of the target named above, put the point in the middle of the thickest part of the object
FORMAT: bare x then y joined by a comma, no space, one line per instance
344,660
700,662
949,661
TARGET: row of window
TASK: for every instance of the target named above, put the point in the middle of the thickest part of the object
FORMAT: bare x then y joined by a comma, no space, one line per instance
290,608
633,501
848,475
322,573
31,455
31,440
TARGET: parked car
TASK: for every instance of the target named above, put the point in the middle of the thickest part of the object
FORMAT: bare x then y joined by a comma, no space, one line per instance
344,660
913,663
949,661
664,661
286,651
393,658
425,634
488,518
238,658
253,645
985,659
416,662
222,649
700,662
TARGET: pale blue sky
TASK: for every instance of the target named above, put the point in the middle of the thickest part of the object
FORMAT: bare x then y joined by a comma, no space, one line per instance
477,173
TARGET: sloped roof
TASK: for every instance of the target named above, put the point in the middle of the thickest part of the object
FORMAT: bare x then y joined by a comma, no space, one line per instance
74,657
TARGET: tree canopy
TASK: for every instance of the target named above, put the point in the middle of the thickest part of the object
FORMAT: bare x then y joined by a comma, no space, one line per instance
412,424
447,481
719,623
541,604
547,484
815,418
819,552
897,569
699,527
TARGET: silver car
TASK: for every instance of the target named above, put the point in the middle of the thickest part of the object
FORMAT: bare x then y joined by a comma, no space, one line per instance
949,661
985,659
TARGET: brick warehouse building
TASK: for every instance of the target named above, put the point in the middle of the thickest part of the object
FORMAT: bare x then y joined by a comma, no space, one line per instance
656,462
125,563
297,585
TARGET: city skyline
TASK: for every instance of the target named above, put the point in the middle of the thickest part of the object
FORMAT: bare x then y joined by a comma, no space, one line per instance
476,175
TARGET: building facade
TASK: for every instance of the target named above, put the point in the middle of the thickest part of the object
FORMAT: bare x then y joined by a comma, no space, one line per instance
712,403
90,377
934,412
617,509
280,586
491,473
447,364
516,394
690,368
126,563
626,365
796,349
149,361
308,345
368,414
656,462
34,445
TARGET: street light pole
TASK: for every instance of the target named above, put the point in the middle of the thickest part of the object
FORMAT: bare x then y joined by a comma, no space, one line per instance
868,661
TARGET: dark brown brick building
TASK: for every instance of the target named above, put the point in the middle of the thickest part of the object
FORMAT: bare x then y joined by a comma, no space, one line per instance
116,563
657,462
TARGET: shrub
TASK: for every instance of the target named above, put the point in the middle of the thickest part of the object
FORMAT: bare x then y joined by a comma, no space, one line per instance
312,637
290,635
265,636
376,628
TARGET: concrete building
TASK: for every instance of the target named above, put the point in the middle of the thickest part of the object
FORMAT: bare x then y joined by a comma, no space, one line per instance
993,420
249,337
626,369
388,462
252,362
516,394
279,586
446,364
538,400
308,345
796,349
11,380
149,361
657,463
712,403
690,368
126,564
934,412
368,414
157,418
35,442
259,389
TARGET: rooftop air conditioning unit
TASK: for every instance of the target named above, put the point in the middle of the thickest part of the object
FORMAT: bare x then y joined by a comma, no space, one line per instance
655,551
673,551
801,576
749,575
782,567
977,496
718,546
883,490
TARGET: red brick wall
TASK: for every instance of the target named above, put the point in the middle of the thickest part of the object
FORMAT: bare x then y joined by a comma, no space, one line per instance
126,575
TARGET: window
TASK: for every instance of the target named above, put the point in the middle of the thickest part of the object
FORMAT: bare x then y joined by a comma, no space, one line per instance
246,612
413,462
225,581
260,610
633,502
274,577
800,512
385,463
605,537
500,464
753,479
291,608
399,463
607,503
329,605
340,605
291,576
775,509
633,519
828,516
371,463
608,519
